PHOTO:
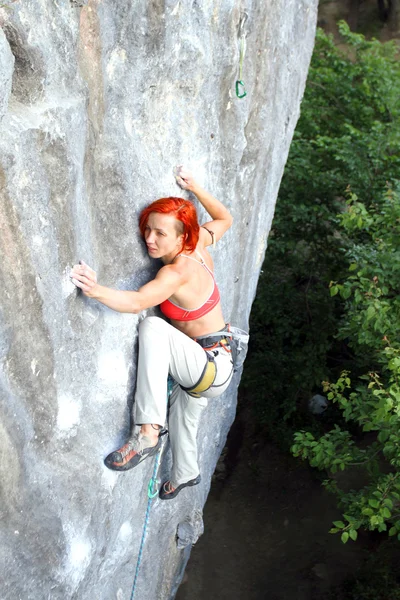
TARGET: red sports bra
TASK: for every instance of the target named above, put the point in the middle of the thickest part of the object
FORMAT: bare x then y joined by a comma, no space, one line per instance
177,313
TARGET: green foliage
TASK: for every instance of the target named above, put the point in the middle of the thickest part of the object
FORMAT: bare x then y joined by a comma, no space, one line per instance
348,134
327,307
371,290
371,326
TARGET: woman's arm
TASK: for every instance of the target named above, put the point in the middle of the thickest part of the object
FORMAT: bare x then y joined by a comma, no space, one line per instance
167,281
222,218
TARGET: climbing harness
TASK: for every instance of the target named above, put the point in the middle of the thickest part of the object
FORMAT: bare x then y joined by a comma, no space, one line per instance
152,492
237,339
240,88
206,380
232,339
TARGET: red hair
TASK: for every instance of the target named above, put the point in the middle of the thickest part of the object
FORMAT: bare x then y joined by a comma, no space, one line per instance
183,210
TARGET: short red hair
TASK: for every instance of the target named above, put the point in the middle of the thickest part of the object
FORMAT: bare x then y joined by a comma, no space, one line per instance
183,210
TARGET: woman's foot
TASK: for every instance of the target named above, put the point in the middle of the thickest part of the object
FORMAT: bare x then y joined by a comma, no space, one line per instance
167,491
137,449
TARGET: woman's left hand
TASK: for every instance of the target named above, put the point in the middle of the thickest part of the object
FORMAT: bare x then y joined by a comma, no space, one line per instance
184,178
84,278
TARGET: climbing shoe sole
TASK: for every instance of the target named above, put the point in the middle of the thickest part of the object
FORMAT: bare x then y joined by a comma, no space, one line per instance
165,496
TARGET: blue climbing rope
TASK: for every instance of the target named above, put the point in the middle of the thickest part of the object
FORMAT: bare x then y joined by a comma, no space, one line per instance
152,491
151,494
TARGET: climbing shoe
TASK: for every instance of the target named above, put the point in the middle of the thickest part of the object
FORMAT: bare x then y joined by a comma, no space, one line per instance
167,492
137,449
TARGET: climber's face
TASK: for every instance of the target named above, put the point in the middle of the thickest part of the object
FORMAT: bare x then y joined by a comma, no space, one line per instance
163,237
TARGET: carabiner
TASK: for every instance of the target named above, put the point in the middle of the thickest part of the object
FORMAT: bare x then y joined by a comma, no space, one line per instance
150,488
239,85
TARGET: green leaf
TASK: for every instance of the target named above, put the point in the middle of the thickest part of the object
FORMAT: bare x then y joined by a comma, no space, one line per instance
367,512
339,524
383,435
353,534
370,312
345,292
344,537
334,290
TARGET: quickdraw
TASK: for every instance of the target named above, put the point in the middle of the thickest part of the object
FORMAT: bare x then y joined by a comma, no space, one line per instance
240,88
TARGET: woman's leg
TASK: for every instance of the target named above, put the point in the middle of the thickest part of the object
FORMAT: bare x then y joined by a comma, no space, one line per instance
183,424
162,350
184,418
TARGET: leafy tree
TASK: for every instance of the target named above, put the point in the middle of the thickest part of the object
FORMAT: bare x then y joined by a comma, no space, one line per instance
328,304
371,325
348,134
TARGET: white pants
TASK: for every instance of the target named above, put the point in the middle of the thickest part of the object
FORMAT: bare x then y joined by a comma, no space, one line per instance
163,350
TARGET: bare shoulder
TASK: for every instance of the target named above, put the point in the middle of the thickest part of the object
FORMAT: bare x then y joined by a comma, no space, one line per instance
184,262
175,271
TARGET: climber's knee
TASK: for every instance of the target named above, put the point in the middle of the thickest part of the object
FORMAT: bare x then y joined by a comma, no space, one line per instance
151,324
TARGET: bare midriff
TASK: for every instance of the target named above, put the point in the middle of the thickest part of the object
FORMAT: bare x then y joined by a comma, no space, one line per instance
210,323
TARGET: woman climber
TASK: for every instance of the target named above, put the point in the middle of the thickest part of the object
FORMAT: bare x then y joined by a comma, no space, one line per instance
194,349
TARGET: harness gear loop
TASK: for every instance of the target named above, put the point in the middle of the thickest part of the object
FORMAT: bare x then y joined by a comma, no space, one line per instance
237,339
206,380
240,88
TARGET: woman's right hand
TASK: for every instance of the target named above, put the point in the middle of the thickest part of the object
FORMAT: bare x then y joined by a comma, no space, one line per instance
184,178
84,278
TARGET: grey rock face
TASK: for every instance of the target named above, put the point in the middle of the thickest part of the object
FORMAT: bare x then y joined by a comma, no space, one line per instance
6,70
190,530
106,98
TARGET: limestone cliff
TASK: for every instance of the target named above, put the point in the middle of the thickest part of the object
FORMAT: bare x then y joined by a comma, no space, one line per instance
98,101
